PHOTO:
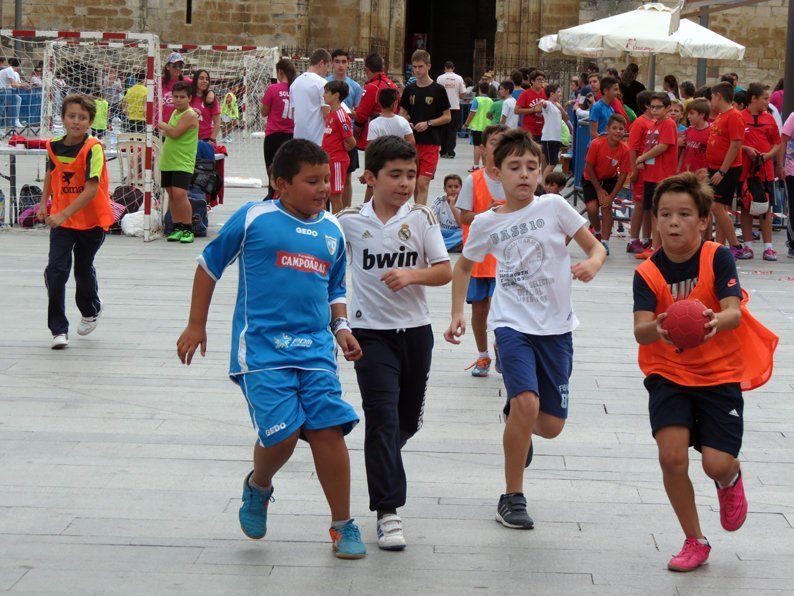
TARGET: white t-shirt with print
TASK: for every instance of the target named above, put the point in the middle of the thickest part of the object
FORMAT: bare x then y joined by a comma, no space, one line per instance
552,123
454,85
409,240
306,98
509,112
382,126
466,197
533,273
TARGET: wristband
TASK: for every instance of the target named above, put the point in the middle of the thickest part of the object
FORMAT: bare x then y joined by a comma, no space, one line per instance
340,324
722,173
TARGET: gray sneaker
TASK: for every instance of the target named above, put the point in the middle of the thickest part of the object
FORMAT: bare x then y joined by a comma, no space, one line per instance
512,512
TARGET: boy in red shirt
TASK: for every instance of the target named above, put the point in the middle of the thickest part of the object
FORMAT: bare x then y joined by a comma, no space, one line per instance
696,137
338,140
659,158
724,161
761,139
641,125
607,166
530,105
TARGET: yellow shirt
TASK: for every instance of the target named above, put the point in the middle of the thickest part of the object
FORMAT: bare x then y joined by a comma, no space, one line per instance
135,98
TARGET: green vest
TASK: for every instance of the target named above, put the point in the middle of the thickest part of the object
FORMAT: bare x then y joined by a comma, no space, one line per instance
480,120
179,154
101,118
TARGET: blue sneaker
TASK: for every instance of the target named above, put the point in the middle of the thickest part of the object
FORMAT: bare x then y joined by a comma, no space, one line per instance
347,542
253,511
480,367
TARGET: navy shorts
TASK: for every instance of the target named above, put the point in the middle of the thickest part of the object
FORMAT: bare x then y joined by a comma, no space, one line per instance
284,400
480,289
713,415
538,363
353,154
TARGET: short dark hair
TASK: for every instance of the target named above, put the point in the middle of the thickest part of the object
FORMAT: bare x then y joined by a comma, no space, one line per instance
494,129
515,141
594,74
339,87
449,177
483,87
617,118
687,88
517,77
339,52
449,64
13,61
79,99
608,82
535,74
704,91
319,55
613,72
740,97
293,154
140,76
725,90
551,88
643,99
385,149
699,105
726,78
374,62
182,86
508,85
387,97
755,90
661,96
555,177
686,183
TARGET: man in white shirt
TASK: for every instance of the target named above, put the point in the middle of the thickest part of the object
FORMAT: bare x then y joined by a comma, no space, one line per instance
10,100
454,85
306,96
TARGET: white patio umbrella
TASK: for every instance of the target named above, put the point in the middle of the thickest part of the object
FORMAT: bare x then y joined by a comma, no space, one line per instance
642,31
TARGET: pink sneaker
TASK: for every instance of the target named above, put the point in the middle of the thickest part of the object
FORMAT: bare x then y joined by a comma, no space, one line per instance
693,555
635,246
770,254
733,505
742,253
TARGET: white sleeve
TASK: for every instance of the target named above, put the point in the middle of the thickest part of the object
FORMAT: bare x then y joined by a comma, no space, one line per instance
372,130
435,249
461,86
466,197
476,246
506,110
569,218
405,126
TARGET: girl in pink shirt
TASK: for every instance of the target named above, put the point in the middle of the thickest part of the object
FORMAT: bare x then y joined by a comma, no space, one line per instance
206,106
278,111
172,72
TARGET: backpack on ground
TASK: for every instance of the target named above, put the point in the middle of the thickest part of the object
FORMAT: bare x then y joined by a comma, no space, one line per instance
29,196
125,199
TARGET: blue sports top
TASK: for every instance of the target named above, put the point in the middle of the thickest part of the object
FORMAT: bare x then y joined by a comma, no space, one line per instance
290,271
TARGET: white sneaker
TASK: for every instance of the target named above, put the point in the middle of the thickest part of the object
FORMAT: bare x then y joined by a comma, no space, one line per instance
88,324
59,342
18,124
390,532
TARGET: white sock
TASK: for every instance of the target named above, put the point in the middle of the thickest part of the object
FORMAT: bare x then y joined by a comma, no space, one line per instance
749,244
484,354
261,489
340,524
731,483
703,540
768,246
634,239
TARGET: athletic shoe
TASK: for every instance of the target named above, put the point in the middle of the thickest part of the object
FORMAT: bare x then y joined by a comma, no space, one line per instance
605,244
88,324
497,364
253,511
733,505
790,254
481,367
390,532
646,254
770,254
347,542
692,555
742,253
187,237
60,341
175,236
635,246
18,124
512,512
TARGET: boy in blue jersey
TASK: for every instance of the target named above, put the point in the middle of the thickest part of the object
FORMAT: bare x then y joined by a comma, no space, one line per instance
291,268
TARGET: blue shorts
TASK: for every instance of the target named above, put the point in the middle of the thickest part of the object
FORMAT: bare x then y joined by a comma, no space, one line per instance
284,400
480,289
538,363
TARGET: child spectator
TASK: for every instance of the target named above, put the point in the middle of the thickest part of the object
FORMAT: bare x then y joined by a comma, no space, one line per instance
695,395
676,114
602,109
277,108
508,116
532,315
282,358
134,104
448,214
338,140
77,181
640,218
100,124
172,74
207,107
230,114
670,87
551,137
530,105
178,161
696,137
607,166
495,111
477,120
480,192
554,183
391,265
389,122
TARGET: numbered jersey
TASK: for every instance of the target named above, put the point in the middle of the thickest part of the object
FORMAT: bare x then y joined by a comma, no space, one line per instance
279,118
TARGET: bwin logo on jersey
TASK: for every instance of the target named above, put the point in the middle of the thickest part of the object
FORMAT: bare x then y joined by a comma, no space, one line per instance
387,260
331,243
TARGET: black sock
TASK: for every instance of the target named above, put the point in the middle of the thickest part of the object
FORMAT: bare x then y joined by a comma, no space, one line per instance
382,512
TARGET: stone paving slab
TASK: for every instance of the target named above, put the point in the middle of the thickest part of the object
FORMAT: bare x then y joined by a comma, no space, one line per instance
120,470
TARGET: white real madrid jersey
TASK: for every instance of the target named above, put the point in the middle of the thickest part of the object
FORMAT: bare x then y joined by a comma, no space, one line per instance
410,240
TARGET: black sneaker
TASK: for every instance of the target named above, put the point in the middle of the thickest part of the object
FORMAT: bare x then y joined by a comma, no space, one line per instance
512,512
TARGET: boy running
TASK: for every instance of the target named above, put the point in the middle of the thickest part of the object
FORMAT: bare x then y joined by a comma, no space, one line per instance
532,314
77,180
695,395
292,268
395,250
338,140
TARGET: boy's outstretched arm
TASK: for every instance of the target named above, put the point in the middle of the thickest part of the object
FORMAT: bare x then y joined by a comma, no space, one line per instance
460,283
195,334
596,255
